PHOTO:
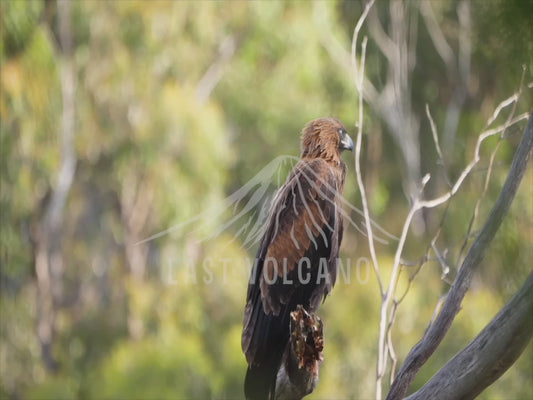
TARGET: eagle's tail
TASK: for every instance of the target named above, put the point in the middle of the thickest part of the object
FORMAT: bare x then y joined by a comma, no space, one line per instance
260,381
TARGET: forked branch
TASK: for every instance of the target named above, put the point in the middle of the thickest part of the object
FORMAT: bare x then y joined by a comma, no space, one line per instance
436,332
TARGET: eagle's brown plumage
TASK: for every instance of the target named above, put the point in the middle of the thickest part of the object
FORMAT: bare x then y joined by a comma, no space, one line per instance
296,259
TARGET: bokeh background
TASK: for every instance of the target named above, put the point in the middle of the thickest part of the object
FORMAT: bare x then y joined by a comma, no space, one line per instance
174,106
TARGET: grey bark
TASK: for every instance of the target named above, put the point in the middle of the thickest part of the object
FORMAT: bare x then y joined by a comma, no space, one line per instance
421,352
489,355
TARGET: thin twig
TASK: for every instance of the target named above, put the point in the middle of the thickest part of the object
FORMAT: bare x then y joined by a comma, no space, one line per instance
390,344
359,79
437,145
464,174
356,31
511,100
360,183
442,261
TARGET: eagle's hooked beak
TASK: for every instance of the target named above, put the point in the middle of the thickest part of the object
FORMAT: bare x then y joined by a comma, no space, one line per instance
346,142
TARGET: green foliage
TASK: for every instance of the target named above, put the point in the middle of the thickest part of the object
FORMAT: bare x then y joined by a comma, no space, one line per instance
153,154
168,367
19,23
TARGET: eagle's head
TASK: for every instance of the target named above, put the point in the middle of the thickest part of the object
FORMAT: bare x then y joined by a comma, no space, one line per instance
325,138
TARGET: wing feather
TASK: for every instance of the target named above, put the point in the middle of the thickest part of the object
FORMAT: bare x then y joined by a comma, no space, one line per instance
304,221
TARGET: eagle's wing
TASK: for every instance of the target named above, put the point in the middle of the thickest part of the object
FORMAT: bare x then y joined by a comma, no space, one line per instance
304,224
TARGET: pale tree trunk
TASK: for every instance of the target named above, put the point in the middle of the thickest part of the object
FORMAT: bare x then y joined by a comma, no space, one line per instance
49,264
136,205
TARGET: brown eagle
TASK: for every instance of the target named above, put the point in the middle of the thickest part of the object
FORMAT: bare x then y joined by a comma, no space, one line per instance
296,263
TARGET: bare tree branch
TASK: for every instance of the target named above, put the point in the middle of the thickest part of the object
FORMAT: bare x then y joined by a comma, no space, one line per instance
359,76
384,341
214,74
437,146
437,36
457,68
489,355
394,103
514,101
436,332
463,74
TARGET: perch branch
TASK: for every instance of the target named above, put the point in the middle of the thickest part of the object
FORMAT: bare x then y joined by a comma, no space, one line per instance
298,374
